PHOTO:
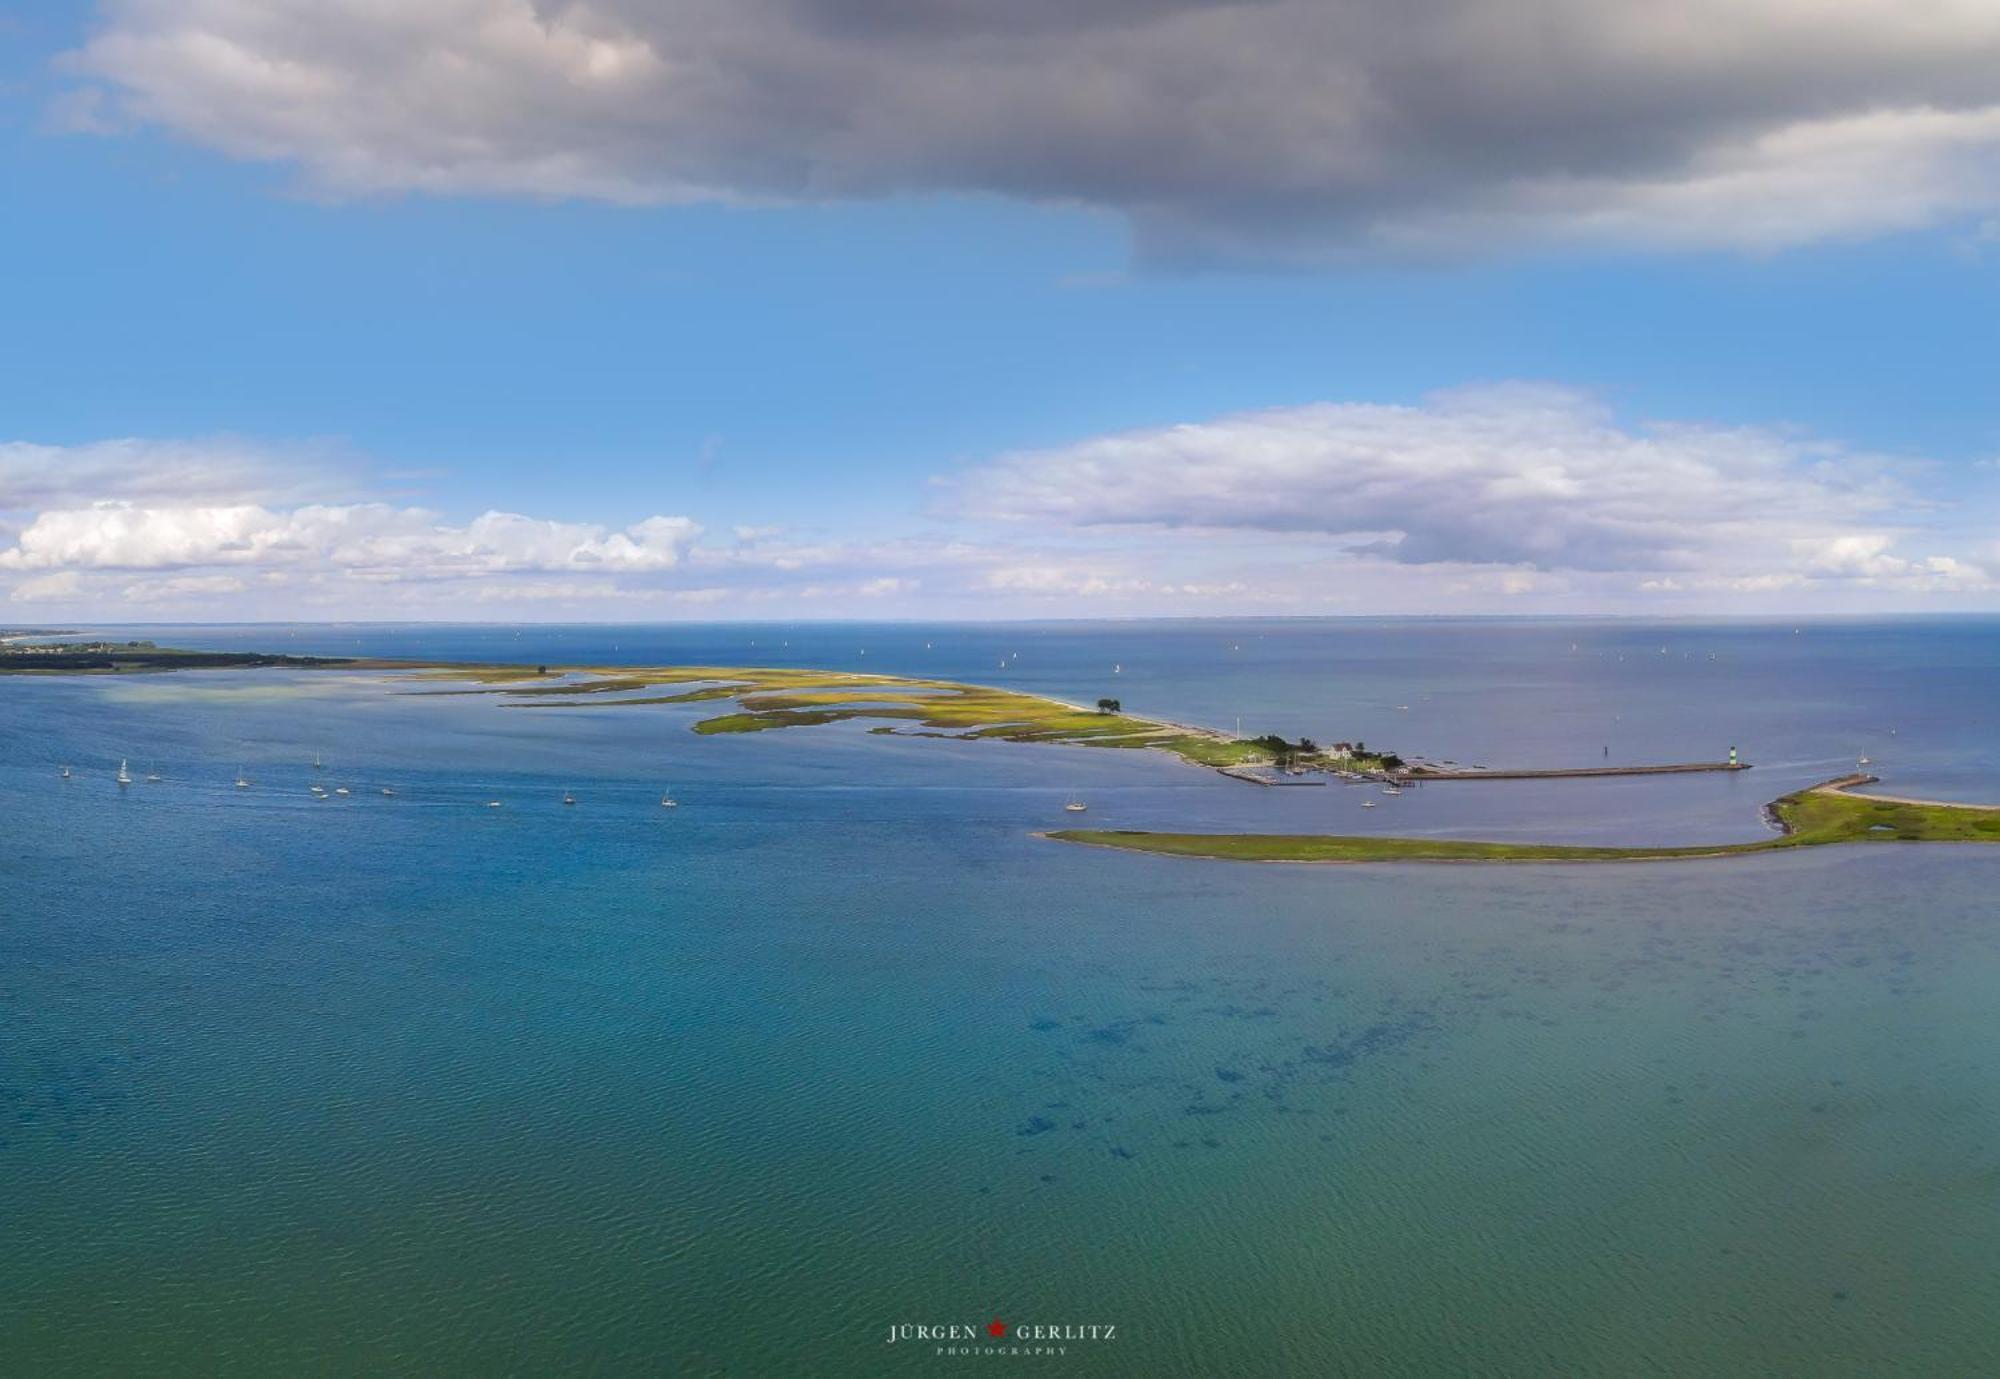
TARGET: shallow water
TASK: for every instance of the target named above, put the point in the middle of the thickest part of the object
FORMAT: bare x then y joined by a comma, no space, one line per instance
407,1084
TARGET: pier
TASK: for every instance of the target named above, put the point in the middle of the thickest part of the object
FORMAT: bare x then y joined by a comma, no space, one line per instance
1682,768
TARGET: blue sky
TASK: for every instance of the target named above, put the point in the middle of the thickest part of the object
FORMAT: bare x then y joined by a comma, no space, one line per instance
924,395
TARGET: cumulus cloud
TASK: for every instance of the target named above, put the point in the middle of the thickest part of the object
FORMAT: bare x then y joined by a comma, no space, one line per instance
1300,127
1510,497
359,538
1538,478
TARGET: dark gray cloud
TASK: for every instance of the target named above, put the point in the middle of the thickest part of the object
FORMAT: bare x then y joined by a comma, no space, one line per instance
1279,127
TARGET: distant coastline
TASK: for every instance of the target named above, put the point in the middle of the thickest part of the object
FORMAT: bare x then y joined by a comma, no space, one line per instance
765,698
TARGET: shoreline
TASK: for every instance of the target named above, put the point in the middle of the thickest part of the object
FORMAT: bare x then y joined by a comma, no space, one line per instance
1831,813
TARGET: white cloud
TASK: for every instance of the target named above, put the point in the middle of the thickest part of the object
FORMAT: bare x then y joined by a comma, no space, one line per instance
1097,580
1538,478
1508,498
62,587
1296,127
361,538
221,470
181,588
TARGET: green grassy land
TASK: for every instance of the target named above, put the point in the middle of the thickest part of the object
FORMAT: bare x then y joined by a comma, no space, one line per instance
1813,818
764,697
767,698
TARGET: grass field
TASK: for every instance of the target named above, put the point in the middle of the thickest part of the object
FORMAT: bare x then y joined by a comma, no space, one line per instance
1818,817
765,698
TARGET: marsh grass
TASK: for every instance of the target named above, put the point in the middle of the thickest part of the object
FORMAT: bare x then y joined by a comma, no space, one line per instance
1818,817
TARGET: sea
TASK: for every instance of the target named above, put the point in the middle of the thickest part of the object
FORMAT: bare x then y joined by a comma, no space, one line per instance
838,1066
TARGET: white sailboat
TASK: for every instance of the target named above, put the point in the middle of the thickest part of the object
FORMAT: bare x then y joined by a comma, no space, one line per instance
387,791
568,798
1075,805
124,776
318,765
493,804
340,790
65,773
667,801
242,781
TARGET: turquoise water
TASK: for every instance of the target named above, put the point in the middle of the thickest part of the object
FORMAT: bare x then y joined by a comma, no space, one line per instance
408,1085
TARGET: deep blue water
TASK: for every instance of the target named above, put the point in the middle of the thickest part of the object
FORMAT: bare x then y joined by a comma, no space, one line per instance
411,1085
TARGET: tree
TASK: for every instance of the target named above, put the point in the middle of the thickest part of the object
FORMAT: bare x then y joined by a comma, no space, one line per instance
1109,706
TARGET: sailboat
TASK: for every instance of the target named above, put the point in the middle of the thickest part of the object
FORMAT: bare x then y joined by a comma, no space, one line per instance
65,773
1075,805
568,798
124,776
1368,804
152,775
387,791
340,790
667,801
318,765
1862,762
493,804
242,781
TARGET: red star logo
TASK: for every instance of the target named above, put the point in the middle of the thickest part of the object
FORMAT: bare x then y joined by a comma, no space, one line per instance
996,1327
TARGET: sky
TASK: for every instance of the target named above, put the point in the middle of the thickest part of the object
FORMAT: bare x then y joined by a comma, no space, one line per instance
710,309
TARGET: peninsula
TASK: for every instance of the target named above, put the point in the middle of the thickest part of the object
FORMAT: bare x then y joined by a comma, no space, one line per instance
764,698
1824,814
125,658
761,698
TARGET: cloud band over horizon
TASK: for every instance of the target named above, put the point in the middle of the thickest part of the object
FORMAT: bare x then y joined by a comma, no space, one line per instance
1516,496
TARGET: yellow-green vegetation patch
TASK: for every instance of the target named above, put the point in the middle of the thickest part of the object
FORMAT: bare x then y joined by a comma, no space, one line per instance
767,697
775,697
1818,817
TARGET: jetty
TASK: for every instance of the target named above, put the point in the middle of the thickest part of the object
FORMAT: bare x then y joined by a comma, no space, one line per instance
1851,786
1678,768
